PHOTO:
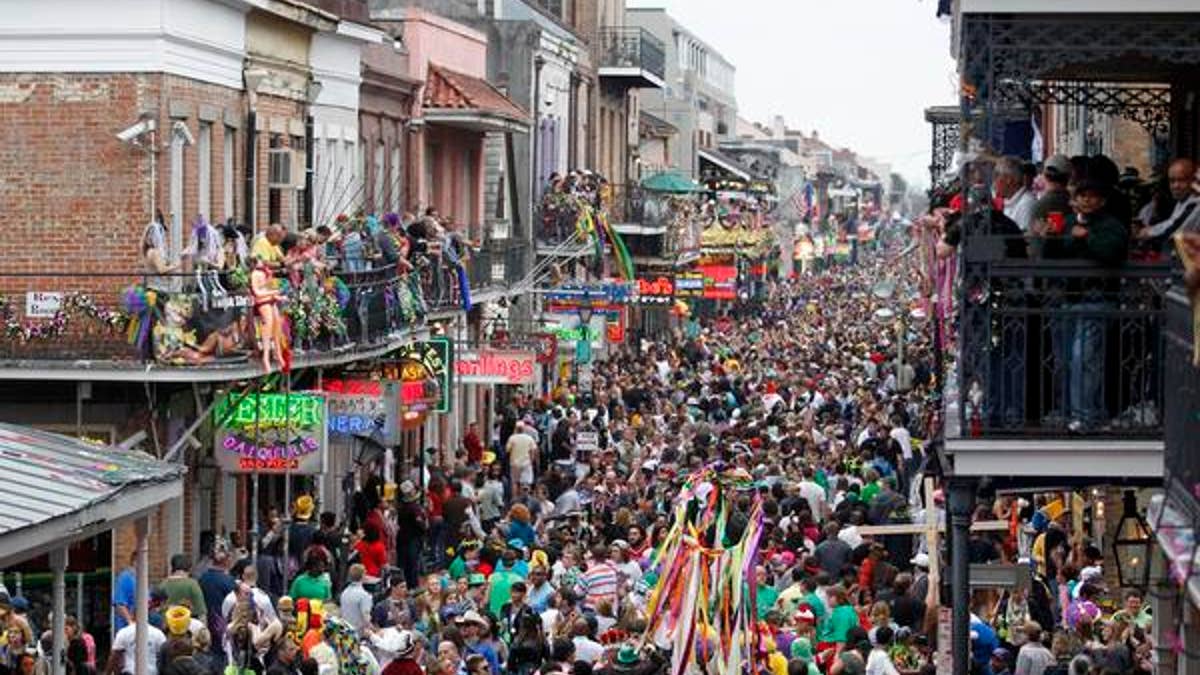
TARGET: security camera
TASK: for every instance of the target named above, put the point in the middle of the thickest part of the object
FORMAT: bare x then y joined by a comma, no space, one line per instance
130,134
181,129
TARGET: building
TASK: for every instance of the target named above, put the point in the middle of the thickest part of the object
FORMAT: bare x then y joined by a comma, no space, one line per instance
206,110
1005,425
698,99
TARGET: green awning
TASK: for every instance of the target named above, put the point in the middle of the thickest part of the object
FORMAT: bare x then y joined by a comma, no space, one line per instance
670,181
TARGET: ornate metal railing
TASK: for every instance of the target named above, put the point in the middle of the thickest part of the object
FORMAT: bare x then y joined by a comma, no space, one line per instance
499,264
1183,405
1061,347
632,48
208,318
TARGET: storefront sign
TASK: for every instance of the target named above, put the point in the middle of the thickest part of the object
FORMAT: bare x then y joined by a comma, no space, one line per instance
39,305
356,406
565,334
689,285
591,295
720,281
489,366
659,290
423,371
614,328
271,433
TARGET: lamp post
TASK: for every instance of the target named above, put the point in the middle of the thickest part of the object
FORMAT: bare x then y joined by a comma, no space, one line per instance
1131,547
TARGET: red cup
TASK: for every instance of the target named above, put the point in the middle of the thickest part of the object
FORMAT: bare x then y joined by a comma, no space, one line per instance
1057,222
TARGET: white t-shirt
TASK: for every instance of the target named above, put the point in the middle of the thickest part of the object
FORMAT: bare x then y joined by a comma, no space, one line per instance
125,641
879,663
520,449
587,649
814,494
902,437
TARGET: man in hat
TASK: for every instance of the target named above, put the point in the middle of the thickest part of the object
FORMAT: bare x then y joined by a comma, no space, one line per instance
300,534
412,524
473,628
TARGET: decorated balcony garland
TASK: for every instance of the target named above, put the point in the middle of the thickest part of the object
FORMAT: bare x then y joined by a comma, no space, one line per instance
74,305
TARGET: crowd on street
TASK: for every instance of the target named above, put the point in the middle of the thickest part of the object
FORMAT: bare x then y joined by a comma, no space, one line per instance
535,554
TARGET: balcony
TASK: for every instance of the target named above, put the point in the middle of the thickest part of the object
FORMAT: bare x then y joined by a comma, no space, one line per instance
1182,433
632,57
115,326
1060,370
497,268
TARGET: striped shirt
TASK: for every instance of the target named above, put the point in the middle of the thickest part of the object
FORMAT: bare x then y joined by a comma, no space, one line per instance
597,584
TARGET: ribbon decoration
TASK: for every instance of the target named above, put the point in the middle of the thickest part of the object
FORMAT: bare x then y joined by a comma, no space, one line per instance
704,605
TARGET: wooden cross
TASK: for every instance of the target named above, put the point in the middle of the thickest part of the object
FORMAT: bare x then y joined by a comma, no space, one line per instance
932,530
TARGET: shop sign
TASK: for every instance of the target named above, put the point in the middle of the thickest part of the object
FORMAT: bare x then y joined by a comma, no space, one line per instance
488,366
575,334
591,294
423,372
720,281
689,285
586,442
41,305
614,328
659,290
356,406
271,433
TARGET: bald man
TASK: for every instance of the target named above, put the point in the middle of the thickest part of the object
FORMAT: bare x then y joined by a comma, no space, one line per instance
1181,176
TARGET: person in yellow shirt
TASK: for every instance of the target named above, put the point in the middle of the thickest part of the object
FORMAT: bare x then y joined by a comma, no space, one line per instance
266,245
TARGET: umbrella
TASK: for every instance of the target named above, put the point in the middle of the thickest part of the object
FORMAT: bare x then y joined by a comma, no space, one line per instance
670,181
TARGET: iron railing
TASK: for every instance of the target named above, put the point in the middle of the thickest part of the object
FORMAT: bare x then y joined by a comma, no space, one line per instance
207,318
1062,348
499,264
632,48
1182,419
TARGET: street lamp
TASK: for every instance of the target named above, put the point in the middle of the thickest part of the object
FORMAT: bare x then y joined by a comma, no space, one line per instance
1131,547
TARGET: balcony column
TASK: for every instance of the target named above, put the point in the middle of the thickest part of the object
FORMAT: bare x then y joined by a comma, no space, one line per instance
961,502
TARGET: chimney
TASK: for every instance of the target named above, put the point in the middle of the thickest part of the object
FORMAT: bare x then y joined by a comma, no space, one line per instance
778,128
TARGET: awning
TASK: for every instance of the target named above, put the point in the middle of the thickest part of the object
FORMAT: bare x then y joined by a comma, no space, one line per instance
62,490
468,102
723,162
639,229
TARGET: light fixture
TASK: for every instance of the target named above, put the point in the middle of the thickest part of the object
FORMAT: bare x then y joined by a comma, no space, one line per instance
1132,545
314,90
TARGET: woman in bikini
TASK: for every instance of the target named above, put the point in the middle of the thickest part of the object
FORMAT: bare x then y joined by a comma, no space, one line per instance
271,340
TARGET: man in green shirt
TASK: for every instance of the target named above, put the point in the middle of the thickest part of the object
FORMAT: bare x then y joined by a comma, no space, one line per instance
840,620
501,581
766,593
314,584
180,587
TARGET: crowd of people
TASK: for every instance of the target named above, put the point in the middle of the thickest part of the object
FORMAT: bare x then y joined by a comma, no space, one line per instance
535,553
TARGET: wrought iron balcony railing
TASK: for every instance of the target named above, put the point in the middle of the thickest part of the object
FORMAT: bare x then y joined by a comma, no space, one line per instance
633,49
1182,417
208,318
1062,348
499,264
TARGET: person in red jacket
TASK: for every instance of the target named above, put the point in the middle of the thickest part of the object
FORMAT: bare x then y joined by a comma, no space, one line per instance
473,444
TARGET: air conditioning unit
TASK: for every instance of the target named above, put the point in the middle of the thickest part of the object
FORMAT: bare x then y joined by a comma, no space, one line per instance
280,163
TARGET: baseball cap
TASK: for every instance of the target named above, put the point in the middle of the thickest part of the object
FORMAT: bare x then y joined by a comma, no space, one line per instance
1057,166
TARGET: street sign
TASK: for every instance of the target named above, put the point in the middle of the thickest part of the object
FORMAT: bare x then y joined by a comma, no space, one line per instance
423,370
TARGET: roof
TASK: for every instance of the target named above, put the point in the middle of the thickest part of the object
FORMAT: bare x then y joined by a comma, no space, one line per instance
652,125
71,489
446,89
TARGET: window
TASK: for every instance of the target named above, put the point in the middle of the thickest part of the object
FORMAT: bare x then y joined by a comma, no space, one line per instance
395,179
380,175
227,170
204,169
274,194
175,194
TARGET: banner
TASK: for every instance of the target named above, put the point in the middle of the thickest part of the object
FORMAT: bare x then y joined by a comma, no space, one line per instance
720,281
271,433
489,366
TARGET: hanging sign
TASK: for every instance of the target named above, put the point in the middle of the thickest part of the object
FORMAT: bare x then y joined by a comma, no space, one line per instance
356,406
489,366
659,290
689,285
271,433
720,281
423,371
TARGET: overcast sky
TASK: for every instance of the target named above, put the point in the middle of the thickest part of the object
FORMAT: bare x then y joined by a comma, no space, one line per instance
859,71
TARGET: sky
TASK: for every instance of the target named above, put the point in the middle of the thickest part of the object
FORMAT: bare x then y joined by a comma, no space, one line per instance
861,72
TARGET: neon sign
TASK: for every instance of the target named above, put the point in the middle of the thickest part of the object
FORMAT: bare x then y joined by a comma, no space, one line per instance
271,433
657,290
423,370
496,367
356,406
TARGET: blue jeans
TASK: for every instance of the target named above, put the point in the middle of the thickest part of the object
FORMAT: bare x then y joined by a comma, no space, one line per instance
1079,351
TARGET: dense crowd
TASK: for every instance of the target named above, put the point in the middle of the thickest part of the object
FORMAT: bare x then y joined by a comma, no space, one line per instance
538,553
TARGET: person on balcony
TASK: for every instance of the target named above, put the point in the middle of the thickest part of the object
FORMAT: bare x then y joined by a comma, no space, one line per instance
1012,187
1185,216
156,258
1090,233
266,245
1052,208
